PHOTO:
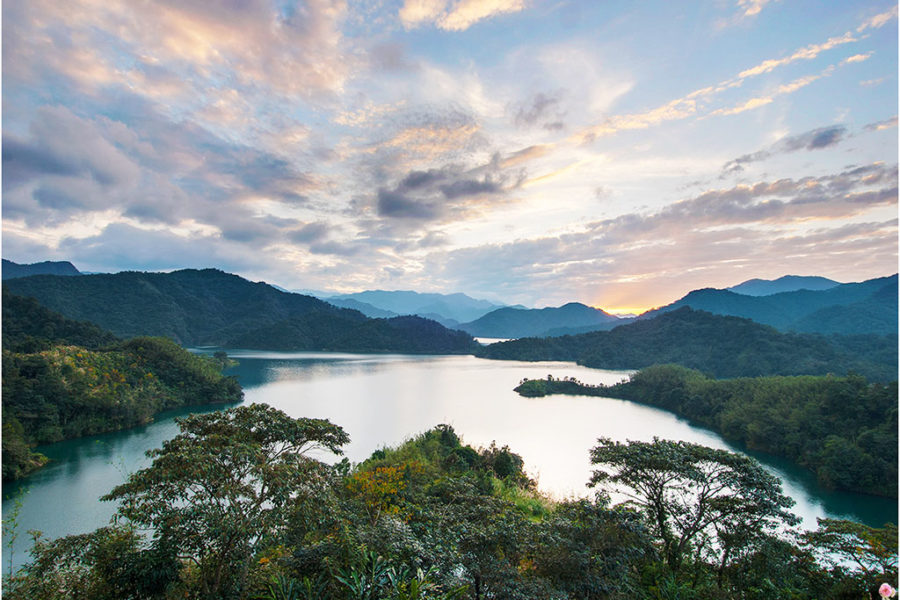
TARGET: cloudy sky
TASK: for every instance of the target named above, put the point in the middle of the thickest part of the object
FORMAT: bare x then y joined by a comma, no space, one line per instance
533,151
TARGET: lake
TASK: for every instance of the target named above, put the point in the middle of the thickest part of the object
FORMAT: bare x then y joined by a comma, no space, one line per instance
383,400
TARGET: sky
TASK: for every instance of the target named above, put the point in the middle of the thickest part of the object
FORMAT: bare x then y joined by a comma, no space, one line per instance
524,151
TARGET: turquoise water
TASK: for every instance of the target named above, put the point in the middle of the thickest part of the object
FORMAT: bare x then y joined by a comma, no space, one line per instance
383,400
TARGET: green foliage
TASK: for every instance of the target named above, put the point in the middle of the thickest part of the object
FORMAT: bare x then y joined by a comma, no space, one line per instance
28,327
57,390
695,499
215,490
842,428
717,345
235,508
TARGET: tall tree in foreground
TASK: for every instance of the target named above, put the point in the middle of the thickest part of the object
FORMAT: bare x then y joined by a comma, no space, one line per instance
225,484
712,503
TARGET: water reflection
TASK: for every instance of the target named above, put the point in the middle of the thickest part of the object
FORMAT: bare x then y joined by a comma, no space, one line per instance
383,400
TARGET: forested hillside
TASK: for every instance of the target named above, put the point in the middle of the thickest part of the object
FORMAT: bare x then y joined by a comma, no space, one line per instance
843,429
716,345
212,308
64,379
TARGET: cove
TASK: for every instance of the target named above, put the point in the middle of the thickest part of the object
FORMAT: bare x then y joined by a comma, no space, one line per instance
384,399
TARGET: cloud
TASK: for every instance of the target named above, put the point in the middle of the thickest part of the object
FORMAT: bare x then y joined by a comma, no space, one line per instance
878,20
815,139
310,232
454,15
807,53
652,257
449,193
882,125
541,109
694,103
752,8
857,58
61,143
395,204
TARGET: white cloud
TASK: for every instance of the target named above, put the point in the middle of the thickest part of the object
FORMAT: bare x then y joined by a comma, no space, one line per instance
456,15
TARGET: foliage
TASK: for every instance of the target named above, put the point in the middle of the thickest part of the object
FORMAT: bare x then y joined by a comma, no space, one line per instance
842,428
54,389
695,499
28,327
235,507
717,345
216,491
872,551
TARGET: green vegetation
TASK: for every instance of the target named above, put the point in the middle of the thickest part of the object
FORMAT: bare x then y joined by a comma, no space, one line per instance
716,345
237,508
843,429
64,379
211,308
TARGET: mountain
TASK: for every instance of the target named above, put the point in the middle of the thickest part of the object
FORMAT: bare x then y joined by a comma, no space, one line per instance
13,270
212,308
717,345
364,307
539,322
848,308
788,283
64,379
441,307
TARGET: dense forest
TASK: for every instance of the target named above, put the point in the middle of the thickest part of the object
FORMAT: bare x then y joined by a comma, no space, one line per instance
235,508
64,379
843,429
716,345
212,308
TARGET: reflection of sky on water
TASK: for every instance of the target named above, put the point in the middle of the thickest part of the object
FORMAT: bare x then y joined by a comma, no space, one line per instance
383,400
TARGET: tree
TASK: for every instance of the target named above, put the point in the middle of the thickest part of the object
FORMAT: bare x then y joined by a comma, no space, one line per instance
222,486
693,497
872,550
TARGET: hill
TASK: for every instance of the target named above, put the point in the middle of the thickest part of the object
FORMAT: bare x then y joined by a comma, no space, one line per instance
517,322
64,379
212,308
13,270
364,307
449,309
716,345
849,308
788,283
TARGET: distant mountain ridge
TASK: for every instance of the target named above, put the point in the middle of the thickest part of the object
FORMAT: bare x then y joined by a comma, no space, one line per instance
449,309
539,322
787,283
12,270
849,308
213,308
718,345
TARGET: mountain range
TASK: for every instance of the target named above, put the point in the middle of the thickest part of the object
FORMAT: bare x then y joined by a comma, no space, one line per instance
718,345
788,283
447,309
511,322
212,308
850,308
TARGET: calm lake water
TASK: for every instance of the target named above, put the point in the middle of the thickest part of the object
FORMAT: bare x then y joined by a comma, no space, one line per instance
384,399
